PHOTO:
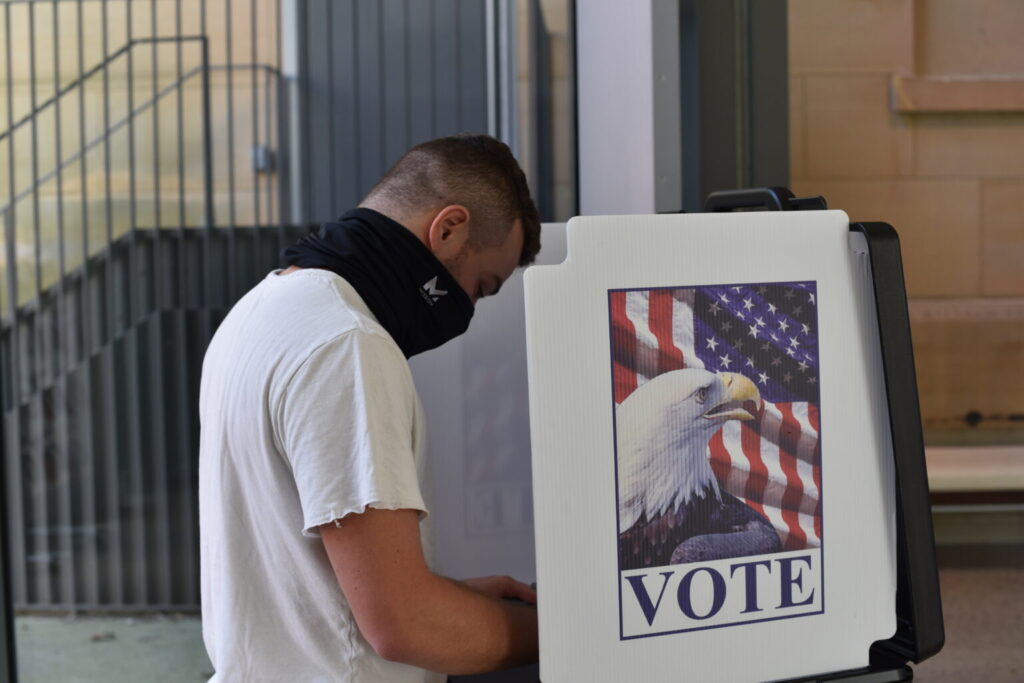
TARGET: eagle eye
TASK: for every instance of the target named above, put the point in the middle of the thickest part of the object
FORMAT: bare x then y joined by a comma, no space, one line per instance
702,394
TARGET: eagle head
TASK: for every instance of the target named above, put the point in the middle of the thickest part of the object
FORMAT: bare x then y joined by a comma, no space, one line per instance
662,431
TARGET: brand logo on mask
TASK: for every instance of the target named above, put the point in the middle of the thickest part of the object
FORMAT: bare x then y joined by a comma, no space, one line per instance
430,291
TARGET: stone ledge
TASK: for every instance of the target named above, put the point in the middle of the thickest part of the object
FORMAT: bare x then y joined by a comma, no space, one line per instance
934,94
975,468
991,309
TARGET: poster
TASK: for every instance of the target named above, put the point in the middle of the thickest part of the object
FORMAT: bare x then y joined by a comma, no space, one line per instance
718,454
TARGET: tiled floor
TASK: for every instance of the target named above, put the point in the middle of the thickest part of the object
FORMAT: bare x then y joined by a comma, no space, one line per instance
111,649
983,605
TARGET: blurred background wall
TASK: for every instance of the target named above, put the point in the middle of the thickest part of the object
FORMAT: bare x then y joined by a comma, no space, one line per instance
912,112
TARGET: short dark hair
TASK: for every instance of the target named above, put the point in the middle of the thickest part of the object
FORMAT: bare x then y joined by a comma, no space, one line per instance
477,171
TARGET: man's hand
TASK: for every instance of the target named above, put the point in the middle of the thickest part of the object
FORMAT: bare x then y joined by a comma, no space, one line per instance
503,587
409,614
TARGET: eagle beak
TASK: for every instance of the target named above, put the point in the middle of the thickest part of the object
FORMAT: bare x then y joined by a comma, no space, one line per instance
738,389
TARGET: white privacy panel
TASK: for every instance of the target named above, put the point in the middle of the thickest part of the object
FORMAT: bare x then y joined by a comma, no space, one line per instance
713,475
474,392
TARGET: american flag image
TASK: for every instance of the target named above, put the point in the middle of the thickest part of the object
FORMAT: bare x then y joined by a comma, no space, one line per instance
766,331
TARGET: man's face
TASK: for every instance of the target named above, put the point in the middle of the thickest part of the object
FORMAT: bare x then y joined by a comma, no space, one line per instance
481,272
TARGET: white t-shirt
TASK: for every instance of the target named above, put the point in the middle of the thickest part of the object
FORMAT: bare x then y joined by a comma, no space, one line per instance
308,413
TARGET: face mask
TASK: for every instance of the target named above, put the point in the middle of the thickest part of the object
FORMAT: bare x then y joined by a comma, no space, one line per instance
410,292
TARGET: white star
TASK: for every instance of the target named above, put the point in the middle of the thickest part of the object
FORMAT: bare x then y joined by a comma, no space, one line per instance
747,304
736,289
803,366
812,298
753,331
783,325
738,343
762,290
807,328
712,344
727,326
771,308
798,310
793,341
776,361
790,351
765,346
789,294
763,377
725,361
760,322
750,363
724,298
812,380
739,314
787,377
774,338
714,308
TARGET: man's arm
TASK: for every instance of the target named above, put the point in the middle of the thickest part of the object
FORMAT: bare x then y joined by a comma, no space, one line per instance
409,614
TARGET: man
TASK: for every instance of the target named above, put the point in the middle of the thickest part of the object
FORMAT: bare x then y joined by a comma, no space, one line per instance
312,437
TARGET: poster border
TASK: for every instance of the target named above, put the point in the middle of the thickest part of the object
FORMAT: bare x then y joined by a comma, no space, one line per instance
615,452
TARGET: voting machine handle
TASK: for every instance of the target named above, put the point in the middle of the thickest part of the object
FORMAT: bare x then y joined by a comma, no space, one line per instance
770,198
919,626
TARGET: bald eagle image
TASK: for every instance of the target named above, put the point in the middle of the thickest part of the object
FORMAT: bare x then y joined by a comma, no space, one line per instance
671,510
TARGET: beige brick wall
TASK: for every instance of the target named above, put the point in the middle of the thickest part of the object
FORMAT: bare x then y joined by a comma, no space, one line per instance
951,183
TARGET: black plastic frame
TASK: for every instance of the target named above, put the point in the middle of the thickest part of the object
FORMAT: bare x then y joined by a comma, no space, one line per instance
919,626
920,632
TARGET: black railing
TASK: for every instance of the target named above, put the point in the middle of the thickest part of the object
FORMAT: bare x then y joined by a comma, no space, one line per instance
101,344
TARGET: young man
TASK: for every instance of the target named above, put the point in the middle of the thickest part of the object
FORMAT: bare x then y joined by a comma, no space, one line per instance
312,437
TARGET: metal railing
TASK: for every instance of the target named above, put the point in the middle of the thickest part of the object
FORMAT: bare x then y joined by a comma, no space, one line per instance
100,361
104,138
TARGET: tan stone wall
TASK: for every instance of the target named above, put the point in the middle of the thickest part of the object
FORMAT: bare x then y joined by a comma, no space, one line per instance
951,182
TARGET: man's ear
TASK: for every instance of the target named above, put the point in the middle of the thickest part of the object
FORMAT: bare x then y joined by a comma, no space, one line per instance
448,231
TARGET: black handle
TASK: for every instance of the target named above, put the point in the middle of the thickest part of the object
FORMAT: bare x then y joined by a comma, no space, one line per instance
768,198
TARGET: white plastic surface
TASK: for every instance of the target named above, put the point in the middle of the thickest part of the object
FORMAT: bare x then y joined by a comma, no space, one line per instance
474,393
571,413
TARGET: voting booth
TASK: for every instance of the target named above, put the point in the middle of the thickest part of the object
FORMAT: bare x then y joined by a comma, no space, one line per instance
728,471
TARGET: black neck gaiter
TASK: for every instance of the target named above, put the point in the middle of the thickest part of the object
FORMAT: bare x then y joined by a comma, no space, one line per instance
407,289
